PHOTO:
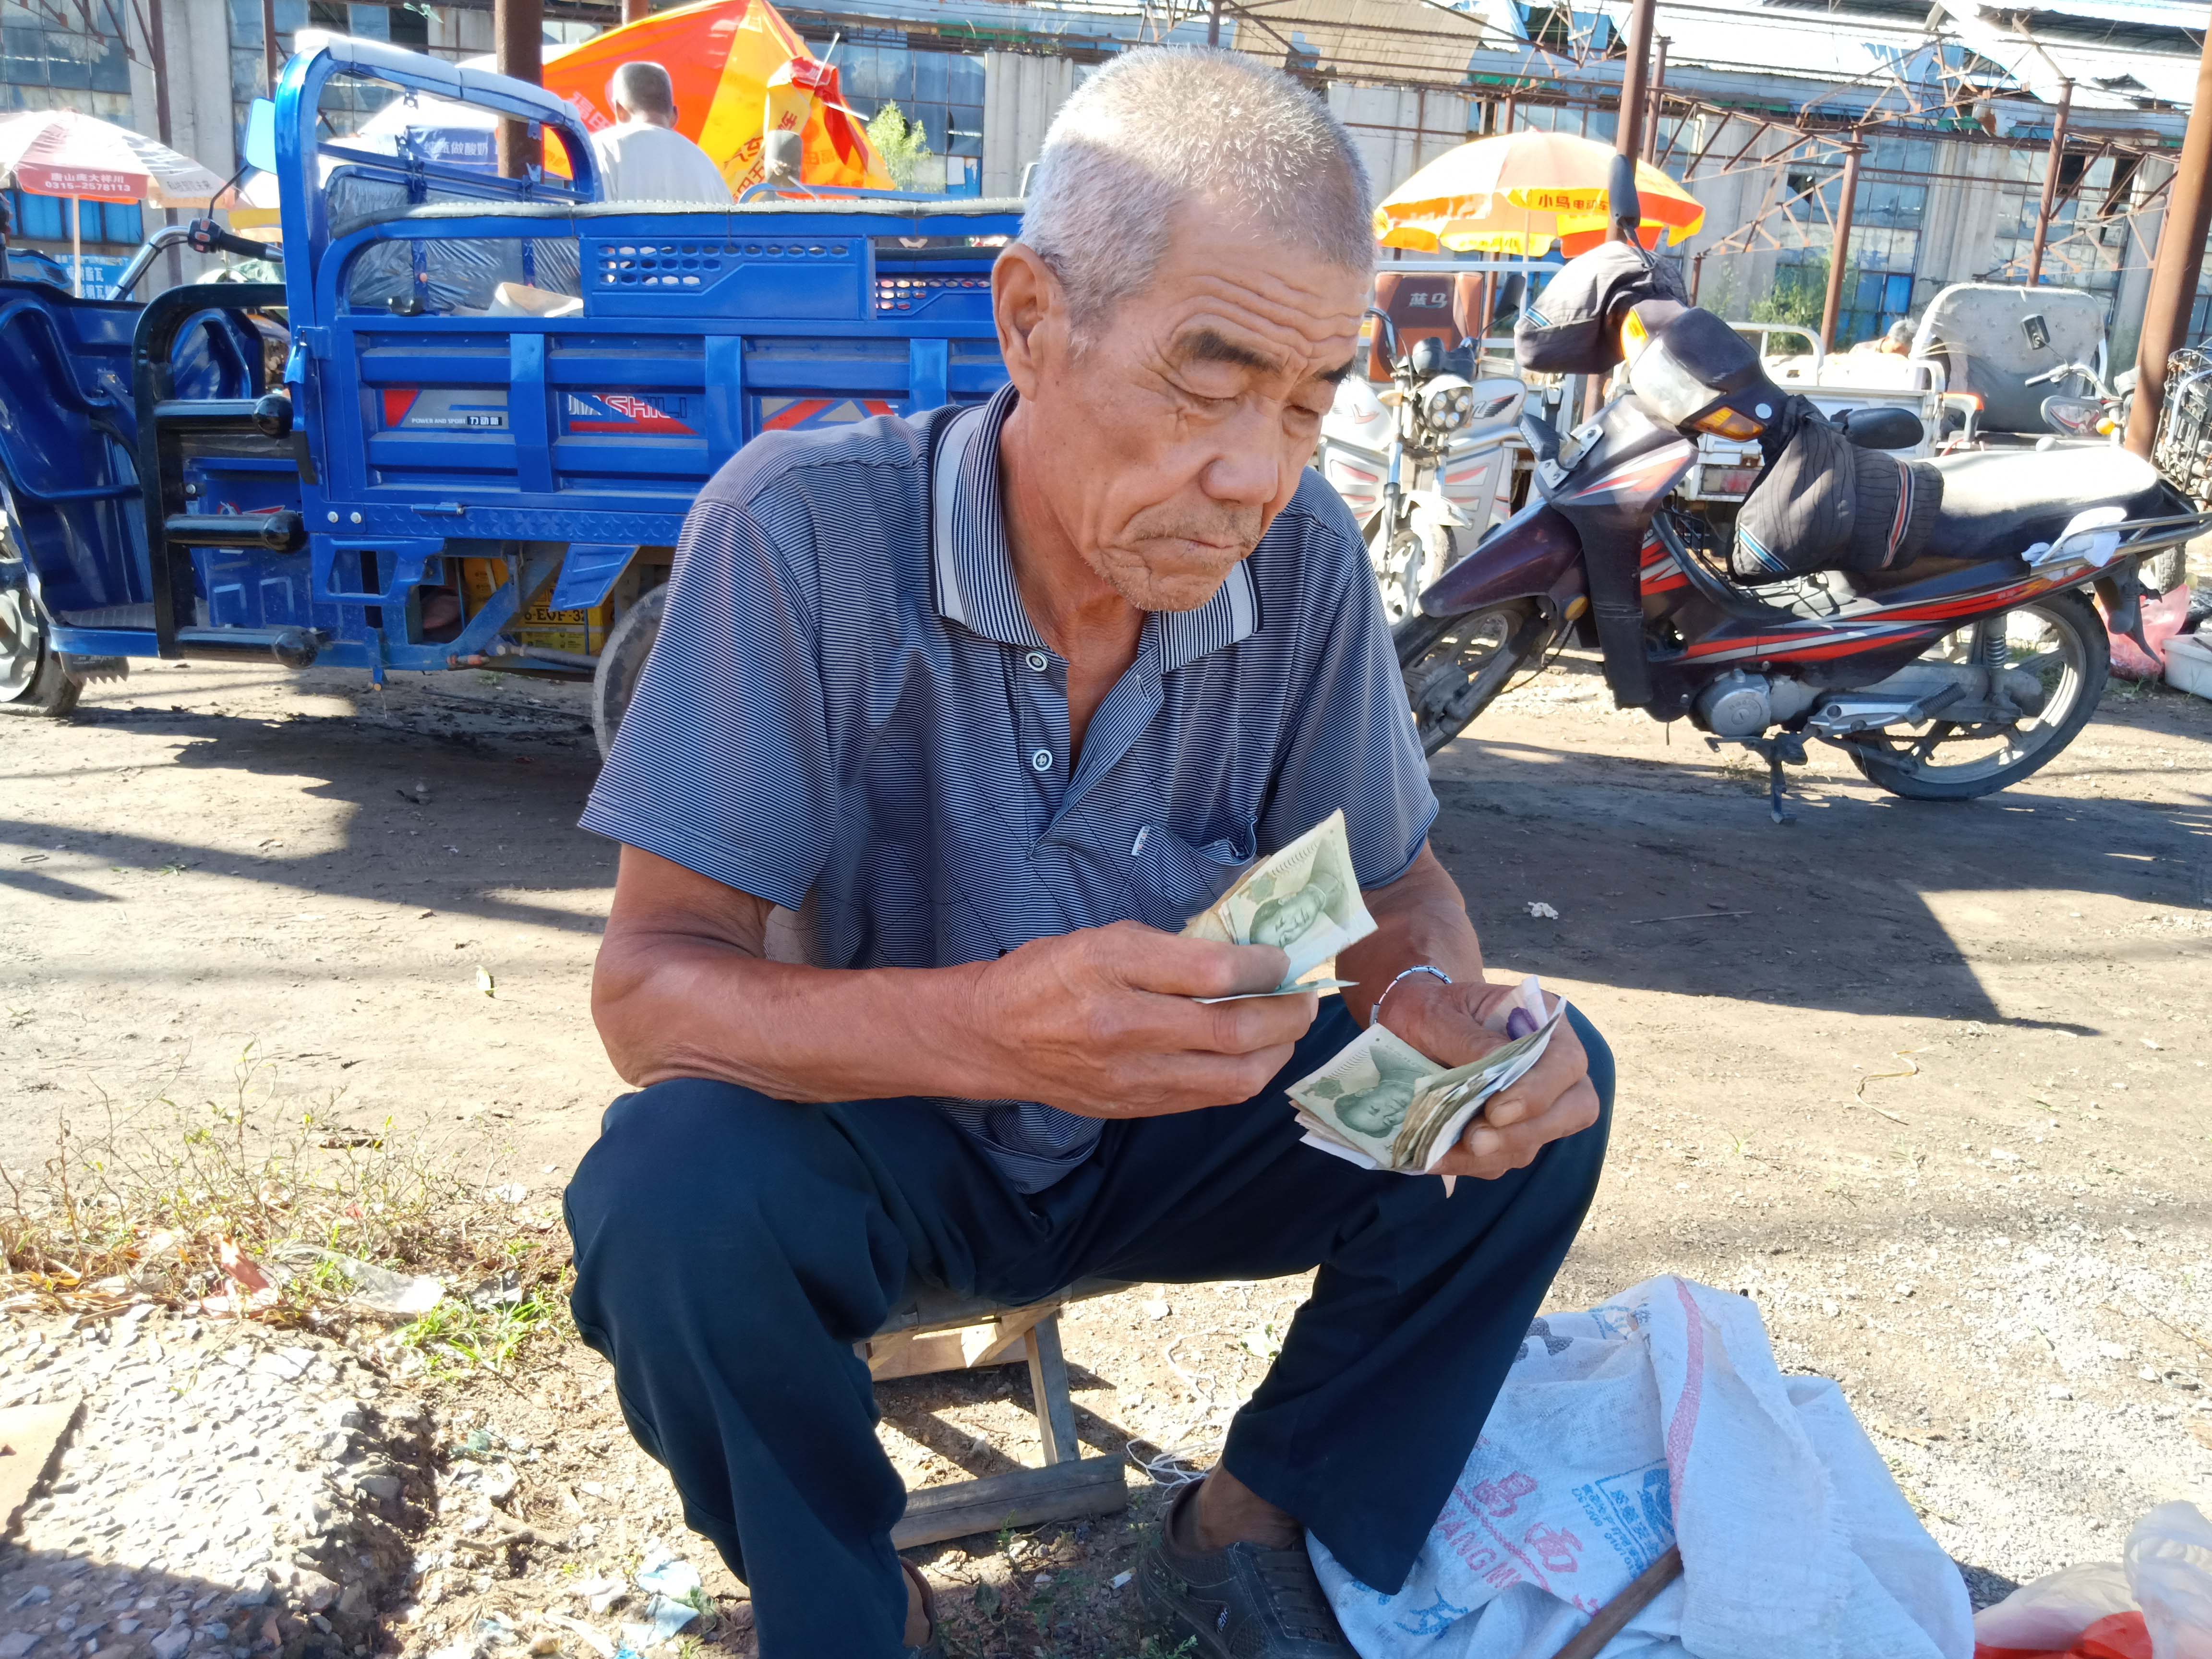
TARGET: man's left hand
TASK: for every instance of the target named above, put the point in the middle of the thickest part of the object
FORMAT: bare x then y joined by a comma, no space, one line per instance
1553,1100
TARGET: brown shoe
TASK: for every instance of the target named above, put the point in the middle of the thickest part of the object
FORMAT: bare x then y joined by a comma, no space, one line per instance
934,1647
1244,1602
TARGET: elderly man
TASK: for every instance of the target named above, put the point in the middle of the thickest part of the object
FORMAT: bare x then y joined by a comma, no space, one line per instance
642,157
993,700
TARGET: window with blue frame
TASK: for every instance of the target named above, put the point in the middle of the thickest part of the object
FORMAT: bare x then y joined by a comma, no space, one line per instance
1886,225
940,91
46,219
76,49
2087,245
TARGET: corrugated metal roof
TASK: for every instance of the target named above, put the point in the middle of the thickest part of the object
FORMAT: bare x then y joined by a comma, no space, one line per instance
1789,55
1416,40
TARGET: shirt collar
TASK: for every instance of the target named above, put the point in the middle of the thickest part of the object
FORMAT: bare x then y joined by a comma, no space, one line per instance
972,570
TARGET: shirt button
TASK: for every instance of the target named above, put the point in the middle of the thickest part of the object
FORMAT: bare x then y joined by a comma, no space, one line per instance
1039,661
1042,760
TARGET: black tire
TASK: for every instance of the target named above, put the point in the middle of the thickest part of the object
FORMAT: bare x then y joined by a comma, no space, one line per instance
2162,573
1455,666
32,680
622,661
2076,672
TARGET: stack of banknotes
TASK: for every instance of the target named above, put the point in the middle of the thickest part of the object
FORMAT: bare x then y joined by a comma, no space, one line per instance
1380,1102
1385,1105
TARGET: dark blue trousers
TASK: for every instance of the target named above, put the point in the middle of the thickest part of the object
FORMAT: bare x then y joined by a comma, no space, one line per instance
731,1248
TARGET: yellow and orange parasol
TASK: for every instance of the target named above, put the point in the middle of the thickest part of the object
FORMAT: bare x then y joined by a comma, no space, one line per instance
1519,192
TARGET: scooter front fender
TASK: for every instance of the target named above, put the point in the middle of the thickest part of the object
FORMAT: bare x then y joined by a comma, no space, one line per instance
1535,554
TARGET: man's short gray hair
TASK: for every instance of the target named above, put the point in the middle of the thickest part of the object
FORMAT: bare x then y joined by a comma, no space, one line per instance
643,88
1162,124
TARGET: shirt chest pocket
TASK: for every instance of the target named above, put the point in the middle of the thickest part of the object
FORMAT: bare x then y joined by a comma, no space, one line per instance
1173,879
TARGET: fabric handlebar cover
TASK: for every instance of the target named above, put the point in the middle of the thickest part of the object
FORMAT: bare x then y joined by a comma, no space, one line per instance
1573,328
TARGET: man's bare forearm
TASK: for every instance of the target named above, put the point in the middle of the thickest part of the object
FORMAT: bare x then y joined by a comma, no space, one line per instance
1419,918
684,987
670,1005
1100,1021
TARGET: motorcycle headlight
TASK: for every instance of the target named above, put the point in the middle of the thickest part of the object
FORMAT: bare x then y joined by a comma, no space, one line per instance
1447,403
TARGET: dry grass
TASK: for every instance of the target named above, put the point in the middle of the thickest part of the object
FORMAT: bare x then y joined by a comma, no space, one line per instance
235,1208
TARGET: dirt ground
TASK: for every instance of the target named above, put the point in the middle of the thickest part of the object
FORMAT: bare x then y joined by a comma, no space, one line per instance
1930,1083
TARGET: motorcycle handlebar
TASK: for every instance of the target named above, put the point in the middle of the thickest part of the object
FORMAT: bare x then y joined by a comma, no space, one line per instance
1389,333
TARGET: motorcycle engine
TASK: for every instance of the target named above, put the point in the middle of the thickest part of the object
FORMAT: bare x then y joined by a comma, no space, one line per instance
1741,705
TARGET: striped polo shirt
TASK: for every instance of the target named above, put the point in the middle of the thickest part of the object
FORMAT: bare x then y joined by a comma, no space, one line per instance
848,712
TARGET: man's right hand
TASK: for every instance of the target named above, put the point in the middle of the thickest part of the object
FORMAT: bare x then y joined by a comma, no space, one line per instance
1101,1022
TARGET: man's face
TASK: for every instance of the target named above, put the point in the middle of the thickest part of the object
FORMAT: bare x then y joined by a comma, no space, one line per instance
1178,429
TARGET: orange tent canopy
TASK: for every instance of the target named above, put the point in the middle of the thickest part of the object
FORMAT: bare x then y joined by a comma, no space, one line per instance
737,65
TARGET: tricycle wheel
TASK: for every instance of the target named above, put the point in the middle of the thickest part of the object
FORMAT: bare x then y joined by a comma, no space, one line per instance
622,661
1453,666
2162,573
33,680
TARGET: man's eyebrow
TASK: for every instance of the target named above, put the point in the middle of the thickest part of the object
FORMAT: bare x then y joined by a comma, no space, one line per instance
1205,345
1334,375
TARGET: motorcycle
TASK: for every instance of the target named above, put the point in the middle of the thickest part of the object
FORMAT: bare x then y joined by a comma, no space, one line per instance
1956,674
2103,413
1427,465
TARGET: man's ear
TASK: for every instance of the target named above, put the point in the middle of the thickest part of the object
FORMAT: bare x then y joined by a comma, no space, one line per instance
1030,309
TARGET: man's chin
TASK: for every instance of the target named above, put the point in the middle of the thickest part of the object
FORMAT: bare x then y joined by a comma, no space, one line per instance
1171,575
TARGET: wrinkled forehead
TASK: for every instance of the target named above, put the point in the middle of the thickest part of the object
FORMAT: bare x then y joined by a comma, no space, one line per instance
1226,287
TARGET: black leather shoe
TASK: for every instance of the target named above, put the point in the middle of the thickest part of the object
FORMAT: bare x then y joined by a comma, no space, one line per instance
933,1648
1243,1602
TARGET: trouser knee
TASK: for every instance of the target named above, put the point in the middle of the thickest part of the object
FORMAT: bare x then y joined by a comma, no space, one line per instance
1599,1054
1578,1158
706,1199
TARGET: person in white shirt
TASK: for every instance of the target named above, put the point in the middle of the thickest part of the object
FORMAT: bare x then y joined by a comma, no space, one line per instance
643,158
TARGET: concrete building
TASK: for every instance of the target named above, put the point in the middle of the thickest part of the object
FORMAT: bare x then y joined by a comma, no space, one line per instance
1758,97
1954,106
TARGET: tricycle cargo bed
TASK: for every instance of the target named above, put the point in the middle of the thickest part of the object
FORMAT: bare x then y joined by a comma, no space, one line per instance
536,363
498,396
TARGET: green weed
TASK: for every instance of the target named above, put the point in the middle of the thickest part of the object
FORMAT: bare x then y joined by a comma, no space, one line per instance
462,1335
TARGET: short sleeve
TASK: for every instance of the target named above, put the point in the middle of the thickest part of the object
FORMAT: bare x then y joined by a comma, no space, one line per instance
722,762
609,168
1351,743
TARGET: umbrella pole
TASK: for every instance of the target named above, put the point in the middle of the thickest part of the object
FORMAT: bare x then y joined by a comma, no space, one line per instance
76,242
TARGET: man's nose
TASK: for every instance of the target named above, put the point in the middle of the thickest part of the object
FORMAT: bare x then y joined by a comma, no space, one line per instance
1246,469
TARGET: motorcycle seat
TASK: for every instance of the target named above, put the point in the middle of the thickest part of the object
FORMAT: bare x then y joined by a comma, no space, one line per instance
1998,503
